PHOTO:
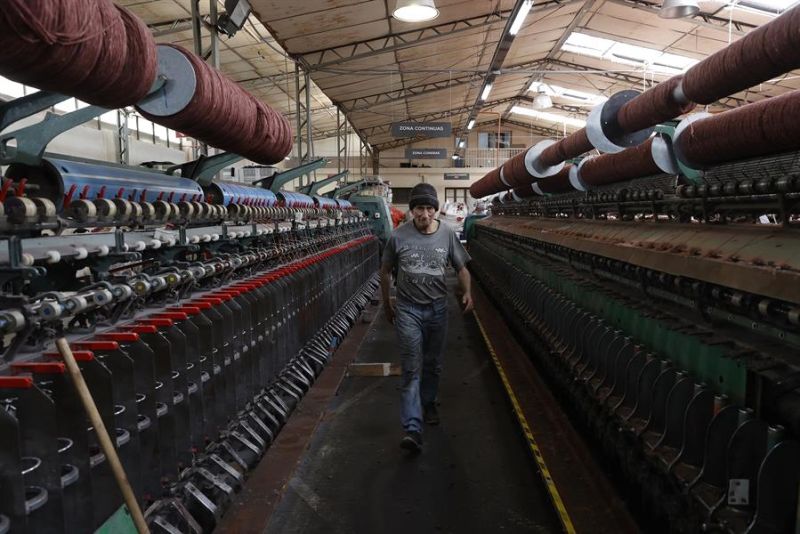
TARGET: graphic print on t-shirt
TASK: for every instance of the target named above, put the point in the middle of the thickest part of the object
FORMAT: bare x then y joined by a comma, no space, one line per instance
423,265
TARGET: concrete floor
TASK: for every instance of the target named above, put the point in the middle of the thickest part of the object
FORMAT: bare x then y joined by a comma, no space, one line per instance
474,475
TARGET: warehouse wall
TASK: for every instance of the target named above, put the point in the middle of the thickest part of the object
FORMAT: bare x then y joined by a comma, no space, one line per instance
410,177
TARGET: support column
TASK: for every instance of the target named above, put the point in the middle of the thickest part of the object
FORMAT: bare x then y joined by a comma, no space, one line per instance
123,137
363,158
200,149
341,141
302,101
214,50
376,161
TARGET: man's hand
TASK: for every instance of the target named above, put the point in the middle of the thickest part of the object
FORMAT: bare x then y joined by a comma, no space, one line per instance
466,301
388,309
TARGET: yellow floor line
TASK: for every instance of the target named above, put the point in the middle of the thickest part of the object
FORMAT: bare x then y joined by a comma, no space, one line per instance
566,522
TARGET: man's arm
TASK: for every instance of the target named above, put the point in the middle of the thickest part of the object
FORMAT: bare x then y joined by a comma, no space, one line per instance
466,286
386,282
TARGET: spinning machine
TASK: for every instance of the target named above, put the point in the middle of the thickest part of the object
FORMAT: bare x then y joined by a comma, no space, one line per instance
656,285
199,311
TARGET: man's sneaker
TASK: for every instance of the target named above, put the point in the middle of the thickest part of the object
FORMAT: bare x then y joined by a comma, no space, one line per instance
430,415
412,441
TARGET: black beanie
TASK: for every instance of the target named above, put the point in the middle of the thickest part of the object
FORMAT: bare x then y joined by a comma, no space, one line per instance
423,195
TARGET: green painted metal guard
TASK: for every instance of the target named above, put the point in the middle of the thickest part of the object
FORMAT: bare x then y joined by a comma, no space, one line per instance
693,175
702,357
119,523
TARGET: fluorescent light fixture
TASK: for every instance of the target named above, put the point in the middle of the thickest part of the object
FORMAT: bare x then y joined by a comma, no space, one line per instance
627,54
486,91
520,18
549,117
462,144
415,10
548,89
470,124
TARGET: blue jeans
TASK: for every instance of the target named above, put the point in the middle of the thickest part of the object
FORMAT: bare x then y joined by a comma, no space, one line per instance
421,331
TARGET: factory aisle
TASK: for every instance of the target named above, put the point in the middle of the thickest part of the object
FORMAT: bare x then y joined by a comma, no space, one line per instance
474,475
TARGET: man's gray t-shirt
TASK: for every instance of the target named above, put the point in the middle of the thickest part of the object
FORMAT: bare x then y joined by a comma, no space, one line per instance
422,259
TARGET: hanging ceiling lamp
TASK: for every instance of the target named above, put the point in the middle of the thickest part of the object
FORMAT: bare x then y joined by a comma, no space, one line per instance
542,101
676,9
415,10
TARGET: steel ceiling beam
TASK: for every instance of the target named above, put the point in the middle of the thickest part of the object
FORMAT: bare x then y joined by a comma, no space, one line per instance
363,103
327,57
706,20
498,58
556,48
632,79
168,27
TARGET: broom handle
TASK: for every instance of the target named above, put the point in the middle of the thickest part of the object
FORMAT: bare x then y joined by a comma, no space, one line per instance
102,436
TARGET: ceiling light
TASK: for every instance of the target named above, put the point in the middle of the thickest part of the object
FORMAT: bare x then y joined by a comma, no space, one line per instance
520,18
542,101
415,10
470,124
677,9
486,91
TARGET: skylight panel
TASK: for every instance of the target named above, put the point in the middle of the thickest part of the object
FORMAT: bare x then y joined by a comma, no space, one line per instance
549,117
632,55
672,63
771,7
628,54
587,45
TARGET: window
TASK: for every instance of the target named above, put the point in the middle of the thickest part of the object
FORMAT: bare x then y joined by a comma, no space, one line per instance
490,140
456,194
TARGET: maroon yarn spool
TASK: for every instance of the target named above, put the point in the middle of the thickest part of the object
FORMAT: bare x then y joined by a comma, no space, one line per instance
93,50
488,185
515,172
226,116
631,163
571,146
652,107
766,52
763,128
558,183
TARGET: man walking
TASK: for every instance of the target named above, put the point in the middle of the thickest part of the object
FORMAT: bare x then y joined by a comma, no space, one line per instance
421,250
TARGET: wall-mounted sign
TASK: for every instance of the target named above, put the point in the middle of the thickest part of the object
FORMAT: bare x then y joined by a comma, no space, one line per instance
456,176
428,129
426,153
